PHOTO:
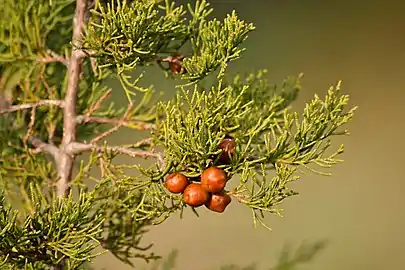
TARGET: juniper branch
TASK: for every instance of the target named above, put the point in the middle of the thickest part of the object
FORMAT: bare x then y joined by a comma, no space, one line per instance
115,127
54,57
76,148
140,125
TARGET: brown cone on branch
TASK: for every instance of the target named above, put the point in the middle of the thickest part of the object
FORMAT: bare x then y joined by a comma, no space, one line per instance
195,195
175,62
213,179
227,146
176,182
218,202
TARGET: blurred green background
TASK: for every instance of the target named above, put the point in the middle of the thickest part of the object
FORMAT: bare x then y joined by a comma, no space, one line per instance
359,209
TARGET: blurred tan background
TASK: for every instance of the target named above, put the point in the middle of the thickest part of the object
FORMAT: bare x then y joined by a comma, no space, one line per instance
360,208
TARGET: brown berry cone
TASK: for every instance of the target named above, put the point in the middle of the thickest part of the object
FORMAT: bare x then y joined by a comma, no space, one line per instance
218,202
176,182
195,195
213,179
228,150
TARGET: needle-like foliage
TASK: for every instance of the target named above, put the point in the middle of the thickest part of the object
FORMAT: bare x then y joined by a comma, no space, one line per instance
55,232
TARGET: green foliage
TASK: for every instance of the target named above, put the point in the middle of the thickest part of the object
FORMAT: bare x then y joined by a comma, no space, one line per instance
69,230
29,28
269,138
131,34
18,169
56,232
194,124
124,36
122,234
267,100
214,45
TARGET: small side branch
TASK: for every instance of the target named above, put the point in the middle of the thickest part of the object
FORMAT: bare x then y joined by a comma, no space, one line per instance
44,147
94,107
76,148
39,145
54,57
117,123
115,128
239,197
26,106
140,125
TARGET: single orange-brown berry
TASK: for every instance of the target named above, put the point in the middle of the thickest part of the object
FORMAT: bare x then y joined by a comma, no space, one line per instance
218,202
213,179
228,150
175,66
195,195
175,62
176,182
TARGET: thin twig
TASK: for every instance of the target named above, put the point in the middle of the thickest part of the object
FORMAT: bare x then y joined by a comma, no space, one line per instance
115,128
94,107
36,142
239,197
45,147
30,125
51,132
54,57
93,64
143,142
87,118
139,125
51,92
76,148
19,107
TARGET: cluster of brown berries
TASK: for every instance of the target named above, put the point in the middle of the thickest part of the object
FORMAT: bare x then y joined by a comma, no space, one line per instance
209,191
